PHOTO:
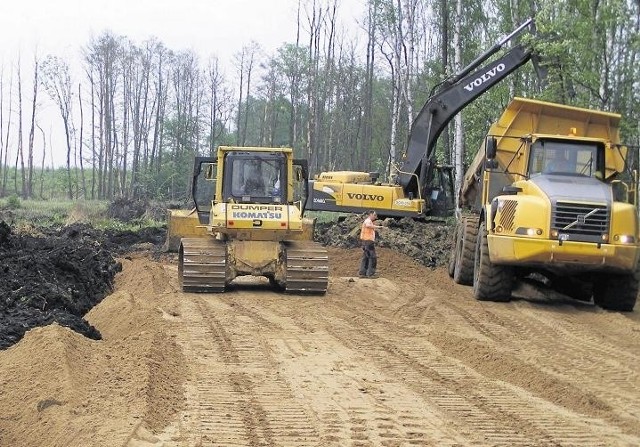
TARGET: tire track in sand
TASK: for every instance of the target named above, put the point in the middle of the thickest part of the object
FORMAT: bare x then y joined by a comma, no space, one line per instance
499,412
235,397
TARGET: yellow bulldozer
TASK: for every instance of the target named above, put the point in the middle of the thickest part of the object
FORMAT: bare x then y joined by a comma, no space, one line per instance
248,220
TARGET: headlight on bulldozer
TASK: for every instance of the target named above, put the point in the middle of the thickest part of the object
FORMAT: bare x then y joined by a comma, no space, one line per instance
624,238
529,231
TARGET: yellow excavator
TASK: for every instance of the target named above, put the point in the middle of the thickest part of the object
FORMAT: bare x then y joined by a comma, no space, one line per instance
248,220
422,187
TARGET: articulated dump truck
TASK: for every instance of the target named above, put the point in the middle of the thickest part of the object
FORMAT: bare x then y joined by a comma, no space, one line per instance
551,193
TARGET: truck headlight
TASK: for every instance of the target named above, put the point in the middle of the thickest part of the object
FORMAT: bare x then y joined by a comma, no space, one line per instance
624,238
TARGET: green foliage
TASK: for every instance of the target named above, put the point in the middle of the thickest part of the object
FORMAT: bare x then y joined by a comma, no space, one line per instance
323,101
13,203
133,225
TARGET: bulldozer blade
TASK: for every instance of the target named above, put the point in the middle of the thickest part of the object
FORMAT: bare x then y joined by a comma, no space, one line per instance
182,224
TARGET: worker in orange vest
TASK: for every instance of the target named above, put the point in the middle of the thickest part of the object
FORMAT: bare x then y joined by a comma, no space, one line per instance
368,238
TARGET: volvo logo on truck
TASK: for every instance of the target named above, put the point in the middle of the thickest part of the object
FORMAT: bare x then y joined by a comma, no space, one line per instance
491,73
371,197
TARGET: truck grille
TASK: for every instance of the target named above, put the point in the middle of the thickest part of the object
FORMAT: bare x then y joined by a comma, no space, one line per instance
584,222
508,214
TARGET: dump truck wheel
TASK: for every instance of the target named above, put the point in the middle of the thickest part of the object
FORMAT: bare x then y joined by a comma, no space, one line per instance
465,251
452,253
490,282
616,292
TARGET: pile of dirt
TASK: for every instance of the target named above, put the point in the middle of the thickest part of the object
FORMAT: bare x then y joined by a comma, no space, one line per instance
427,242
128,210
51,278
62,389
125,209
118,242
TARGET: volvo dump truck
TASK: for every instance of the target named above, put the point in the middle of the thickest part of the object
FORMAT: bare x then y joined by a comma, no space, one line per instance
422,187
551,191
249,203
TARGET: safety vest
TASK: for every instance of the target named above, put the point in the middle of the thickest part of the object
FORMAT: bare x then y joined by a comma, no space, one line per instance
367,233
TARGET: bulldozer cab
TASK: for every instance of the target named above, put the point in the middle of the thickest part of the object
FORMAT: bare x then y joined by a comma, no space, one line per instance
255,177
441,196
258,177
204,186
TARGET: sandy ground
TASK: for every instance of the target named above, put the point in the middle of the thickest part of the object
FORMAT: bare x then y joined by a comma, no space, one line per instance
406,359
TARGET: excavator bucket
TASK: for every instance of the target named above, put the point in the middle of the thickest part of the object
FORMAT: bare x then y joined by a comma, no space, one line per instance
181,224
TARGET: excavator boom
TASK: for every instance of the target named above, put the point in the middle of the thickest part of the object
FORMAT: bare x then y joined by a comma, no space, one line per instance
452,96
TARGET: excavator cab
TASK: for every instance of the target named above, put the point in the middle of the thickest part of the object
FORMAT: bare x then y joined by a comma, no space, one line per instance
440,191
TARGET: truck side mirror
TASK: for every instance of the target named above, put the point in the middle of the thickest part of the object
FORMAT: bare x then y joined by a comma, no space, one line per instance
492,147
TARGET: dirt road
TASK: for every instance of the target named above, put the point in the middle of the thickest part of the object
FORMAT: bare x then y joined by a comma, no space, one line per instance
406,359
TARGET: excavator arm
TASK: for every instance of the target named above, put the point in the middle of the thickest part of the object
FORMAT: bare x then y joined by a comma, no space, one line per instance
416,173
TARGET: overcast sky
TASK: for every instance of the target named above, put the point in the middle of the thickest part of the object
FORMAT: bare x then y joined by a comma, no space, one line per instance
209,27
218,27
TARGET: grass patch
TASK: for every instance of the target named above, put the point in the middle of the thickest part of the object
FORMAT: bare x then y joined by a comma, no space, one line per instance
50,213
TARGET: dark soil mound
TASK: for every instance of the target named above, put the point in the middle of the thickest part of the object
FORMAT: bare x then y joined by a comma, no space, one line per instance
53,278
126,210
428,242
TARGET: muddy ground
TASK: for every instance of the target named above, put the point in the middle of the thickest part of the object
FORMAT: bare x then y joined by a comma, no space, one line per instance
407,359
59,275
426,242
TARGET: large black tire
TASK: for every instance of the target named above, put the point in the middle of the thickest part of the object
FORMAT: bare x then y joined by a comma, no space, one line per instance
616,292
465,251
491,282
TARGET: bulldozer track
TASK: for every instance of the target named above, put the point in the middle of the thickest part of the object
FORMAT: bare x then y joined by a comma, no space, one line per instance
307,267
202,265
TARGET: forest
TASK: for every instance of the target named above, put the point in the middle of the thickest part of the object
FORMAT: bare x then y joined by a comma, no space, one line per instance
135,114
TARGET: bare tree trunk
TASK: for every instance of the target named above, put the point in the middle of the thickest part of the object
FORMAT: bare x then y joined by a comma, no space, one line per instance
458,146
3,167
367,137
444,42
6,141
20,153
82,176
240,94
29,187
252,54
44,155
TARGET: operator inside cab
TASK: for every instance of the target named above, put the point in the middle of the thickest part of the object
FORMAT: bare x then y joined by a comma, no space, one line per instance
564,158
253,179
558,163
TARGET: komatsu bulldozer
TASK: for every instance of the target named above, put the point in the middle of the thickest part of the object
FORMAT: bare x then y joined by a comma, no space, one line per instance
248,220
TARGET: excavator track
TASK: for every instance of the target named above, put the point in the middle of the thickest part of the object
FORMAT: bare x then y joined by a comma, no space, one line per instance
307,267
202,265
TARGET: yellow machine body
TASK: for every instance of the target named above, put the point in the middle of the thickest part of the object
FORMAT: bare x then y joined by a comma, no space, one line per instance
249,208
552,190
355,192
